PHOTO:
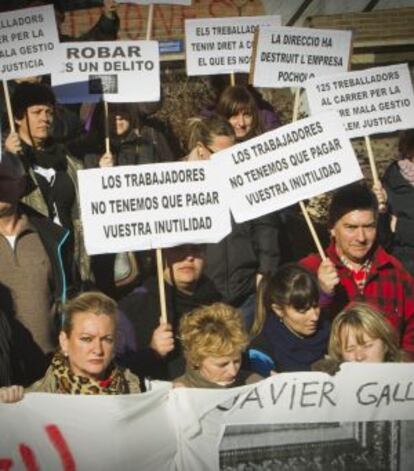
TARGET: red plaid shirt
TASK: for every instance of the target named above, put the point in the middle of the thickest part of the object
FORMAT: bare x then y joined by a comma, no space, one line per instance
388,287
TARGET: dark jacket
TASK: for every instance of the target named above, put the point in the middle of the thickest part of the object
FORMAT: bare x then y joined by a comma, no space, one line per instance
142,309
5,350
400,194
252,247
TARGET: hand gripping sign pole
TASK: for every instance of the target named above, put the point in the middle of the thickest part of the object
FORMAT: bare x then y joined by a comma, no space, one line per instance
301,203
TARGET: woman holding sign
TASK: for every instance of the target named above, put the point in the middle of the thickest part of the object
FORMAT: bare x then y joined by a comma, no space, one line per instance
289,332
84,363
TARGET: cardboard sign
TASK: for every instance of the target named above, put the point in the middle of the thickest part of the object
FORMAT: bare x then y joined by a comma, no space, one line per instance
287,57
368,101
117,71
287,165
152,206
222,45
29,42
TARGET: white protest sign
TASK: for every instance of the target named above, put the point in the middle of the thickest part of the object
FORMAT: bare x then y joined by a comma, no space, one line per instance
29,42
287,165
72,432
152,206
154,2
368,101
287,57
118,71
294,419
222,45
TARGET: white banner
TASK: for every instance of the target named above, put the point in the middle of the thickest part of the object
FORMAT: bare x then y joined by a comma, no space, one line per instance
152,206
368,101
87,433
287,57
302,421
222,45
29,42
287,165
118,71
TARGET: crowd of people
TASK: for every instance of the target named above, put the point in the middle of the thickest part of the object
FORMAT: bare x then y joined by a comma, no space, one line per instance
236,311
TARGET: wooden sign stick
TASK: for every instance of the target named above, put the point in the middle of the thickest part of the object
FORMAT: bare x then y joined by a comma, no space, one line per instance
107,141
8,106
371,160
150,21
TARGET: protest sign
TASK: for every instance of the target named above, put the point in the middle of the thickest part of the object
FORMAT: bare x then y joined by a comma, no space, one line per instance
29,42
302,421
286,165
222,45
154,2
152,206
118,71
56,431
287,57
370,101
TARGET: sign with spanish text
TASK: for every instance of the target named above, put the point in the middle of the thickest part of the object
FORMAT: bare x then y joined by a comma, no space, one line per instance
29,42
287,57
287,165
116,71
222,45
368,101
149,206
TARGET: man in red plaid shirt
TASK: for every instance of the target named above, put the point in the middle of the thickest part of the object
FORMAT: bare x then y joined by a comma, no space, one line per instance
357,268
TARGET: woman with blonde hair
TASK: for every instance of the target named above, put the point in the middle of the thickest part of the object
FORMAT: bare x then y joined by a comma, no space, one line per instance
361,333
213,339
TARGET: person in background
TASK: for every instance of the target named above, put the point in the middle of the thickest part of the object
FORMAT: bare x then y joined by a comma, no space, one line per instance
155,351
84,363
237,262
213,339
398,182
357,268
288,333
360,333
51,171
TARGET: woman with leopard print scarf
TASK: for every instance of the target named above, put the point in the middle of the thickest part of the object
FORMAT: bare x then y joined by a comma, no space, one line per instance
84,364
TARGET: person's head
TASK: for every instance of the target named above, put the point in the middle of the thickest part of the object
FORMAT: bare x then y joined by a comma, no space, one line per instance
183,266
292,294
361,333
209,135
352,221
88,334
33,107
122,117
213,339
406,144
238,106
12,184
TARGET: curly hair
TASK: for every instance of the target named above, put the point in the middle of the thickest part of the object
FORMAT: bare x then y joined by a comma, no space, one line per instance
215,330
